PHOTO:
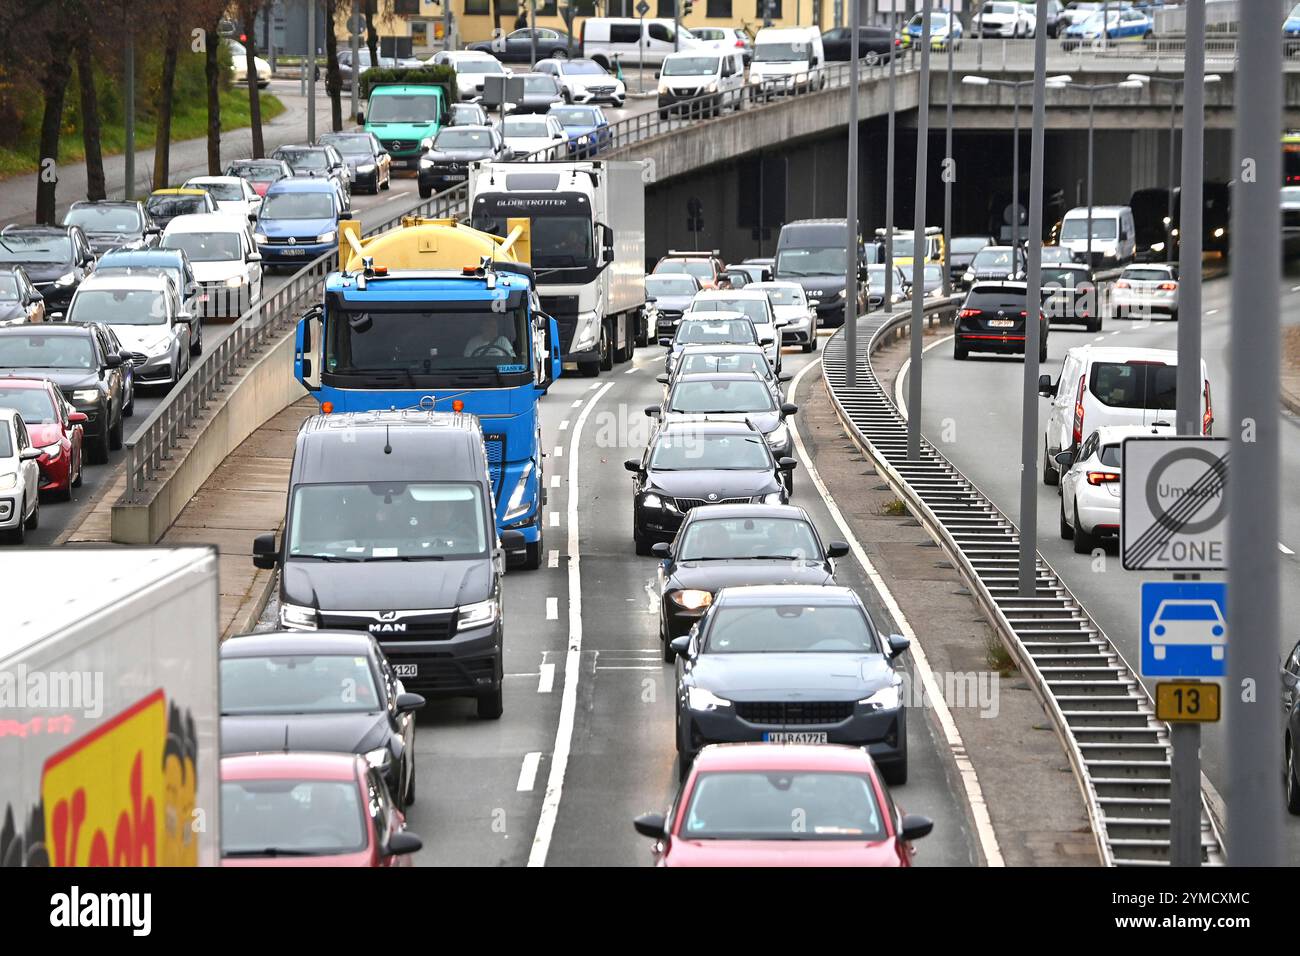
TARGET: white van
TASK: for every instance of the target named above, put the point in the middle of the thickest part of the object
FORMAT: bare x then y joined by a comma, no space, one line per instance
690,74
632,41
788,60
1114,239
1105,385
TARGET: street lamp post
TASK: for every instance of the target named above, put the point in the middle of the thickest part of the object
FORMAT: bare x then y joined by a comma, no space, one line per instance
851,239
888,301
914,378
948,173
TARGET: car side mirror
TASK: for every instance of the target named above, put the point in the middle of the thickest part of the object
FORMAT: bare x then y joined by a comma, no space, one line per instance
254,257
632,465
652,411
662,379
513,540
113,360
78,418
898,644
1045,386
661,549
266,555
681,645
403,843
252,217
652,825
788,464
408,702
789,408
344,216
361,117
1064,458
785,377
837,549
915,826
29,454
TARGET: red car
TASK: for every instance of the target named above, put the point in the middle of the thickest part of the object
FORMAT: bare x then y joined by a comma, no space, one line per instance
309,809
783,805
53,426
260,173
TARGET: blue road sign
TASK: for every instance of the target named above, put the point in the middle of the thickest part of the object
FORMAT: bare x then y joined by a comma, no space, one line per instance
1184,629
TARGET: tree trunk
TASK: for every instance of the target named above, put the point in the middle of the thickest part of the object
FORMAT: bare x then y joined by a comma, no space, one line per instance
372,34
249,8
90,124
162,149
54,86
212,73
333,77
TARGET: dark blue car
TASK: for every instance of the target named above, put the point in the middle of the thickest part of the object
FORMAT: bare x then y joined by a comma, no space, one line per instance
298,221
586,127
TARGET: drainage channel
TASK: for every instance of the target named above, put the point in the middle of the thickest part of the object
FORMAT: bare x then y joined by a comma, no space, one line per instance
1102,712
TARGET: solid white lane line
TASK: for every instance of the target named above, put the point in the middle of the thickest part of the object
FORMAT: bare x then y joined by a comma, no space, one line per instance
984,832
1284,549
546,679
564,425
577,404
528,771
552,609
555,519
631,370
553,559
572,658
902,375
559,451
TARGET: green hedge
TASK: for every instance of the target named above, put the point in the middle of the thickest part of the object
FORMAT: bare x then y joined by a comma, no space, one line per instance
443,76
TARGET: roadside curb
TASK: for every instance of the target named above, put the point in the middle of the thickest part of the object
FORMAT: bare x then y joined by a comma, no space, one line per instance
1290,400
259,594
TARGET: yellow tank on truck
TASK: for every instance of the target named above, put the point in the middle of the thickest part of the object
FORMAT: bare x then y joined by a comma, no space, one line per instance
431,244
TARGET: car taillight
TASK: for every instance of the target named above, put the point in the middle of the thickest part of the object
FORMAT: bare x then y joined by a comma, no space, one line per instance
1207,420
1121,284
1102,477
740,44
1168,286
1078,414
967,313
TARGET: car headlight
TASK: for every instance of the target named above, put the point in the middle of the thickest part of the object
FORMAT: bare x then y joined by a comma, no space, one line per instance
1218,233
968,276
655,501
692,599
517,507
66,279
86,395
663,87
476,615
711,88
235,282
8,481
364,170
379,758
260,238
326,236
697,698
299,618
779,436
52,449
1157,247
583,140
887,698
842,294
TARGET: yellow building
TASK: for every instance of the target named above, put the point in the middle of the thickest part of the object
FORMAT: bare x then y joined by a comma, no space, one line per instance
422,20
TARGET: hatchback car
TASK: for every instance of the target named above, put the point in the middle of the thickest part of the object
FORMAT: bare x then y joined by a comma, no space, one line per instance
527,136
173,263
147,316
587,129
20,501
467,114
790,664
1092,481
1145,291
791,306
711,359
688,464
113,224
541,92
325,691
55,258
994,263
260,173
798,805
370,165
53,427
757,306
324,161
309,809
164,205
20,303
232,194
226,264
668,295
722,546
730,396
993,319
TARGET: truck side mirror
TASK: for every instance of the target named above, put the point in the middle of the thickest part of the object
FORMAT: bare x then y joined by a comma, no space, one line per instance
265,553
361,117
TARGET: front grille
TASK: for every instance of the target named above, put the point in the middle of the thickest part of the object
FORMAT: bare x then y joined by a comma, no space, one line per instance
686,504
600,90
1291,218
560,305
495,446
138,358
431,626
286,240
402,145
795,712
443,672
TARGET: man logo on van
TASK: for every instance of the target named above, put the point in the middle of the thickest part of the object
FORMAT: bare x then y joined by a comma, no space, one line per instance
388,624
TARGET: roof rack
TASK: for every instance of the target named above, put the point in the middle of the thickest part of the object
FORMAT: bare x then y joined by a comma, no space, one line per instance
694,252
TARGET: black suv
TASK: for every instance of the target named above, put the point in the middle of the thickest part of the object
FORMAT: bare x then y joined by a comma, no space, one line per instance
992,319
55,258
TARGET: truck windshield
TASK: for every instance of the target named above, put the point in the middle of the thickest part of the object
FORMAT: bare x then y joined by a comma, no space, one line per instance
781,53
423,343
388,520
415,108
558,240
819,261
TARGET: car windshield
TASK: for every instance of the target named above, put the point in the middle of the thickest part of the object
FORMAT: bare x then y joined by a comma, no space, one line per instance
522,126
539,84
716,332
1078,228
576,116
748,537
394,520
37,350
295,205
119,219
206,246
968,244
1066,278
760,805
690,66
304,158
1135,385
933,274
992,8
819,261
350,145
700,268
33,404
993,259
20,248
1147,275
415,108
584,68
781,52
263,173
789,629
721,397
661,286
169,207
703,451
753,308
463,137
119,307
477,66
8,287
695,361
291,818
298,684
427,343
222,192
784,295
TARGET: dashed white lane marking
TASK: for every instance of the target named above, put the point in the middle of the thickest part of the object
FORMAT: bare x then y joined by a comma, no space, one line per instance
555,519
564,425
631,370
1211,311
1284,549
1295,288
1099,338
577,404
555,481
553,558
572,657
984,832
559,451
552,609
1117,332
528,771
546,679
594,386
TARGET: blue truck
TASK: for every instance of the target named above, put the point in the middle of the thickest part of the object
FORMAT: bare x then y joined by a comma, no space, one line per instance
439,316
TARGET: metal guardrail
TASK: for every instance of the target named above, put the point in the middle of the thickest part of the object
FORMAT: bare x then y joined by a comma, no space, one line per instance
1100,710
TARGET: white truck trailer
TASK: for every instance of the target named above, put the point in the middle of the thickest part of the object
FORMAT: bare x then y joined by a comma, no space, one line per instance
587,221
109,707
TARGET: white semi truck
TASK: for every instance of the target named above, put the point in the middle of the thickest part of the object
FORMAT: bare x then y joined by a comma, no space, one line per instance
109,708
587,222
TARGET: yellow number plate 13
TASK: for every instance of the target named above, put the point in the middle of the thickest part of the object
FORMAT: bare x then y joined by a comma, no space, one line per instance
1187,701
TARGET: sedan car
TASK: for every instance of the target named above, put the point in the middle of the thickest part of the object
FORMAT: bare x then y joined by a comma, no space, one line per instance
164,205
1142,291
260,173
113,224
55,258
722,546
363,63
584,81
798,805
468,114
309,809
533,135
838,43
736,359
757,306
472,69
1123,24
147,316
711,328
730,396
20,501
233,195
1070,296
325,691
791,664
945,28
239,65
53,427
518,45
1091,484
962,251
325,161
668,295
587,129
446,162
992,319
697,463
20,303
541,92
791,306
81,362
369,164
1005,18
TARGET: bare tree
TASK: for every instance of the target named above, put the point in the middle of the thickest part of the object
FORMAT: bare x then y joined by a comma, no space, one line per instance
54,87
372,34
248,15
96,23
333,77
162,149
212,75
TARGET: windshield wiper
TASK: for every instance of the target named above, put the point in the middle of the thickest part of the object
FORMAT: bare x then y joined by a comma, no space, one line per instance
323,557
277,851
407,557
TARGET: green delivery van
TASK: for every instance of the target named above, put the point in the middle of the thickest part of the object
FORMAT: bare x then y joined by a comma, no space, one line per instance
401,115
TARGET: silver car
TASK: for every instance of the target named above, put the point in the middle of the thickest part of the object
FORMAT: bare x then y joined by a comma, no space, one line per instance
1142,291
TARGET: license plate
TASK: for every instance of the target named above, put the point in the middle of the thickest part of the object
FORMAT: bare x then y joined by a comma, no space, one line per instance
795,737
295,252
1002,323
407,670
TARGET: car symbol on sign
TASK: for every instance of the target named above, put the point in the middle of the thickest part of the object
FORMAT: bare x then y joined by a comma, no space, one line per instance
1188,623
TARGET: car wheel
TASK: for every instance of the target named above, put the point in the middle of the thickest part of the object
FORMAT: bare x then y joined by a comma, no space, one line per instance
491,705
1067,532
606,348
665,650
425,192
1050,475
1042,348
129,408
895,774
99,450
1292,782
1094,325
1083,541
81,465
34,522
115,432
19,534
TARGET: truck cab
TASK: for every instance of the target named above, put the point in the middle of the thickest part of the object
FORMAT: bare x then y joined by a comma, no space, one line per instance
389,529
402,116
